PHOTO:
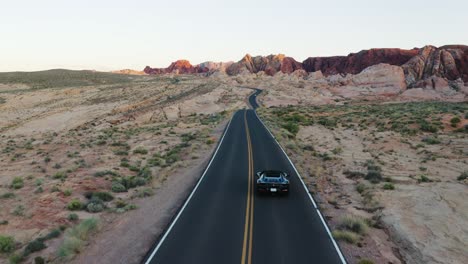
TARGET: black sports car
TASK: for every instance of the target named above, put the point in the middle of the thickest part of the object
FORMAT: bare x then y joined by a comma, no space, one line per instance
272,181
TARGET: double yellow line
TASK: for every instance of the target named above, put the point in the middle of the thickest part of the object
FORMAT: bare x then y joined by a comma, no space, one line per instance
249,211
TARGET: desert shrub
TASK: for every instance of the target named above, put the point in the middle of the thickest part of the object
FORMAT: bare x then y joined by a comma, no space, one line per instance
431,140
7,195
134,168
74,205
145,192
424,178
121,152
15,258
354,224
120,203
388,186
172,158
293,128
73,217
104,173
18,210
67,192
39,260
52,234
3,222
145,172
140,150
17,183
374,176
7,244
354,174
94,207
455,120
337,150
425,126
104,196
361,187
187,137
327,122
346,236
463,176
75,237
365,261
60,175
34,246
118,187
209,141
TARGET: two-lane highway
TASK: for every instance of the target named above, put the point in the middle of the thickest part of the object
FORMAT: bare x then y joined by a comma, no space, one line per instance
225,221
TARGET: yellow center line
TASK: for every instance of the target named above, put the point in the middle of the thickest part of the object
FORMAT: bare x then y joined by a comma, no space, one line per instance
248,228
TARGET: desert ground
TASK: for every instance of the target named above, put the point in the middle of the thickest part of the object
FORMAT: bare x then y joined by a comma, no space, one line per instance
90,160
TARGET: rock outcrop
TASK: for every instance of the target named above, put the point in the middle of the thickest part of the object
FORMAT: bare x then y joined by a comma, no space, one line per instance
270,65
448,63
356,62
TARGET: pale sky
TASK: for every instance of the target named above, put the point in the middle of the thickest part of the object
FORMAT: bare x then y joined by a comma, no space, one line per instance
111,35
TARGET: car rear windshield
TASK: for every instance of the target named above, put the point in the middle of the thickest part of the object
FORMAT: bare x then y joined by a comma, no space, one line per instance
272,174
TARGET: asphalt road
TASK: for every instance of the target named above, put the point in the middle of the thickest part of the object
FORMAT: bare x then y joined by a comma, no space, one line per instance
225,221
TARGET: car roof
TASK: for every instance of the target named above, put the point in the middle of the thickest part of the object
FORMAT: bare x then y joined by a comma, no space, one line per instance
272,173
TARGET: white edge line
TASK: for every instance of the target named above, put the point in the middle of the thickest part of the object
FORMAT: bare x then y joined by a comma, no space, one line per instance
190,197
343,260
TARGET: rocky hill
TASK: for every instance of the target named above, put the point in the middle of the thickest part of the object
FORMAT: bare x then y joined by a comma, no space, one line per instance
423,67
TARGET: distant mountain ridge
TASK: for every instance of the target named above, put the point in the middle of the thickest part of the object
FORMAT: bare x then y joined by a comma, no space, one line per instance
449,62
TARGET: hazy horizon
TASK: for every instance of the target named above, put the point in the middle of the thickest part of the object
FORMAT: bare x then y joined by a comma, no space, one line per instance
113,35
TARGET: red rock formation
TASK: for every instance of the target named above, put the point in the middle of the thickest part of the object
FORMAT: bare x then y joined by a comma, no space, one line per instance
356,62
450,62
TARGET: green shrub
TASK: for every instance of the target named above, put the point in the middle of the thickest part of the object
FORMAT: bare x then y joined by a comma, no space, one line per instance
7,195
140,150
374,176
455,120
354,224
121,152
67,192
34,246
361,187
145,173
94,207
388,186
424,178
463,176
15,258
365,261
39,260
52,234
74,205
17,183
75,237
293,128
354,174
104,196
431,140
73,217
60,175
7,244
104,173
209,141
346,236
118,187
